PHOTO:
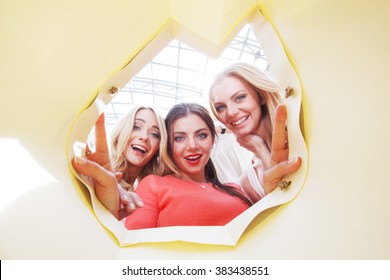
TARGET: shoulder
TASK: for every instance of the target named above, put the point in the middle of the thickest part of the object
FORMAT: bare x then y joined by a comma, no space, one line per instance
233,185
149,179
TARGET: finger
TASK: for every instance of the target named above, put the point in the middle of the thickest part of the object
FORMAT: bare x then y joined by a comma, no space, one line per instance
290,166
127,202
279,171
87,150
279,134
136,199
101,135
92,169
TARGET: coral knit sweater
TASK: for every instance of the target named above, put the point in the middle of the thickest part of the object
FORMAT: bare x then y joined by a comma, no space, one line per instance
169,201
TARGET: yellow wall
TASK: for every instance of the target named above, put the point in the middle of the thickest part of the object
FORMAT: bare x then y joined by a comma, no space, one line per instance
56,55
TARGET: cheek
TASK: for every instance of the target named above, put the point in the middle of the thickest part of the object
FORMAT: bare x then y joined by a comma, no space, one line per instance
155,145
127,155
257,110
253,103
177,151
222,117
126,150
207,146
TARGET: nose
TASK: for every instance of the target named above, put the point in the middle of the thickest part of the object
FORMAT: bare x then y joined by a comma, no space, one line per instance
143,136
192,143
231,110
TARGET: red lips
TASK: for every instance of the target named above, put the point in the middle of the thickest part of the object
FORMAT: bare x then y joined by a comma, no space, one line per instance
193,159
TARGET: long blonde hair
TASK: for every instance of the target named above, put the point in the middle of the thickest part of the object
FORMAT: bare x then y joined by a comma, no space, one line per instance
118,143
265,87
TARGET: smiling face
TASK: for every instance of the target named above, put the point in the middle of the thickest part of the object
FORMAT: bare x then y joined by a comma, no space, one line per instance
237,105
144,140
191,146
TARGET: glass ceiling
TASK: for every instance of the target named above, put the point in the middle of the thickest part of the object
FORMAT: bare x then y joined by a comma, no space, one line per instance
179,73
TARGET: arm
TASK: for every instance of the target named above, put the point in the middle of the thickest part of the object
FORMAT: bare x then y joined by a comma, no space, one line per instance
271,166
97,165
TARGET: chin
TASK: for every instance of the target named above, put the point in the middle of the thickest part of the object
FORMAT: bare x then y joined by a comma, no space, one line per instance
242,132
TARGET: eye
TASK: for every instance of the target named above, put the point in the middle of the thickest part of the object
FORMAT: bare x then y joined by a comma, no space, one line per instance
219,108
178,138
136,127
155,135
202,136
240,97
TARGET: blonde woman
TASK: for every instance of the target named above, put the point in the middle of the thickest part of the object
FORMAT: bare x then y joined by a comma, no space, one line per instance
247,102
138,142
135,155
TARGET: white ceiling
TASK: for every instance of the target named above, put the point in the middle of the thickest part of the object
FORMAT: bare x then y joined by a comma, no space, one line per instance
179,73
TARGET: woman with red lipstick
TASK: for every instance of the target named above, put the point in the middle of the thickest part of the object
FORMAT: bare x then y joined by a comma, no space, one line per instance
191,195
137,142
247,101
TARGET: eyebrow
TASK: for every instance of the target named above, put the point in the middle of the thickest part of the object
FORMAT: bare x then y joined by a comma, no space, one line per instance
239,92
197,131
232,97
143,121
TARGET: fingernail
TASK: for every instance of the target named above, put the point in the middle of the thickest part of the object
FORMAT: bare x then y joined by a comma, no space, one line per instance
80,160
293,160
140,203
132,206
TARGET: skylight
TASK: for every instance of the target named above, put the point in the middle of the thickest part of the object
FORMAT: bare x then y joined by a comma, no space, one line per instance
179,73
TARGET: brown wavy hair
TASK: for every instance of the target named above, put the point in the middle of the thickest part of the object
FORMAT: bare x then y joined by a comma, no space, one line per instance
182,110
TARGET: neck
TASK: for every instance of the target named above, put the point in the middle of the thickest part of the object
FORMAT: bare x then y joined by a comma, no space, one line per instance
200,178
131,174
130,179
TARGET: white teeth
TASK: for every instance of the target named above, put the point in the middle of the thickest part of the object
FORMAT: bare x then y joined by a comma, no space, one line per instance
139,148
239,121
193,157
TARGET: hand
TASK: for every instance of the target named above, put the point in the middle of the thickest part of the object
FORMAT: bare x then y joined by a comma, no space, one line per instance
104,181
256,145
280,165
275,174
97,165
130,201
